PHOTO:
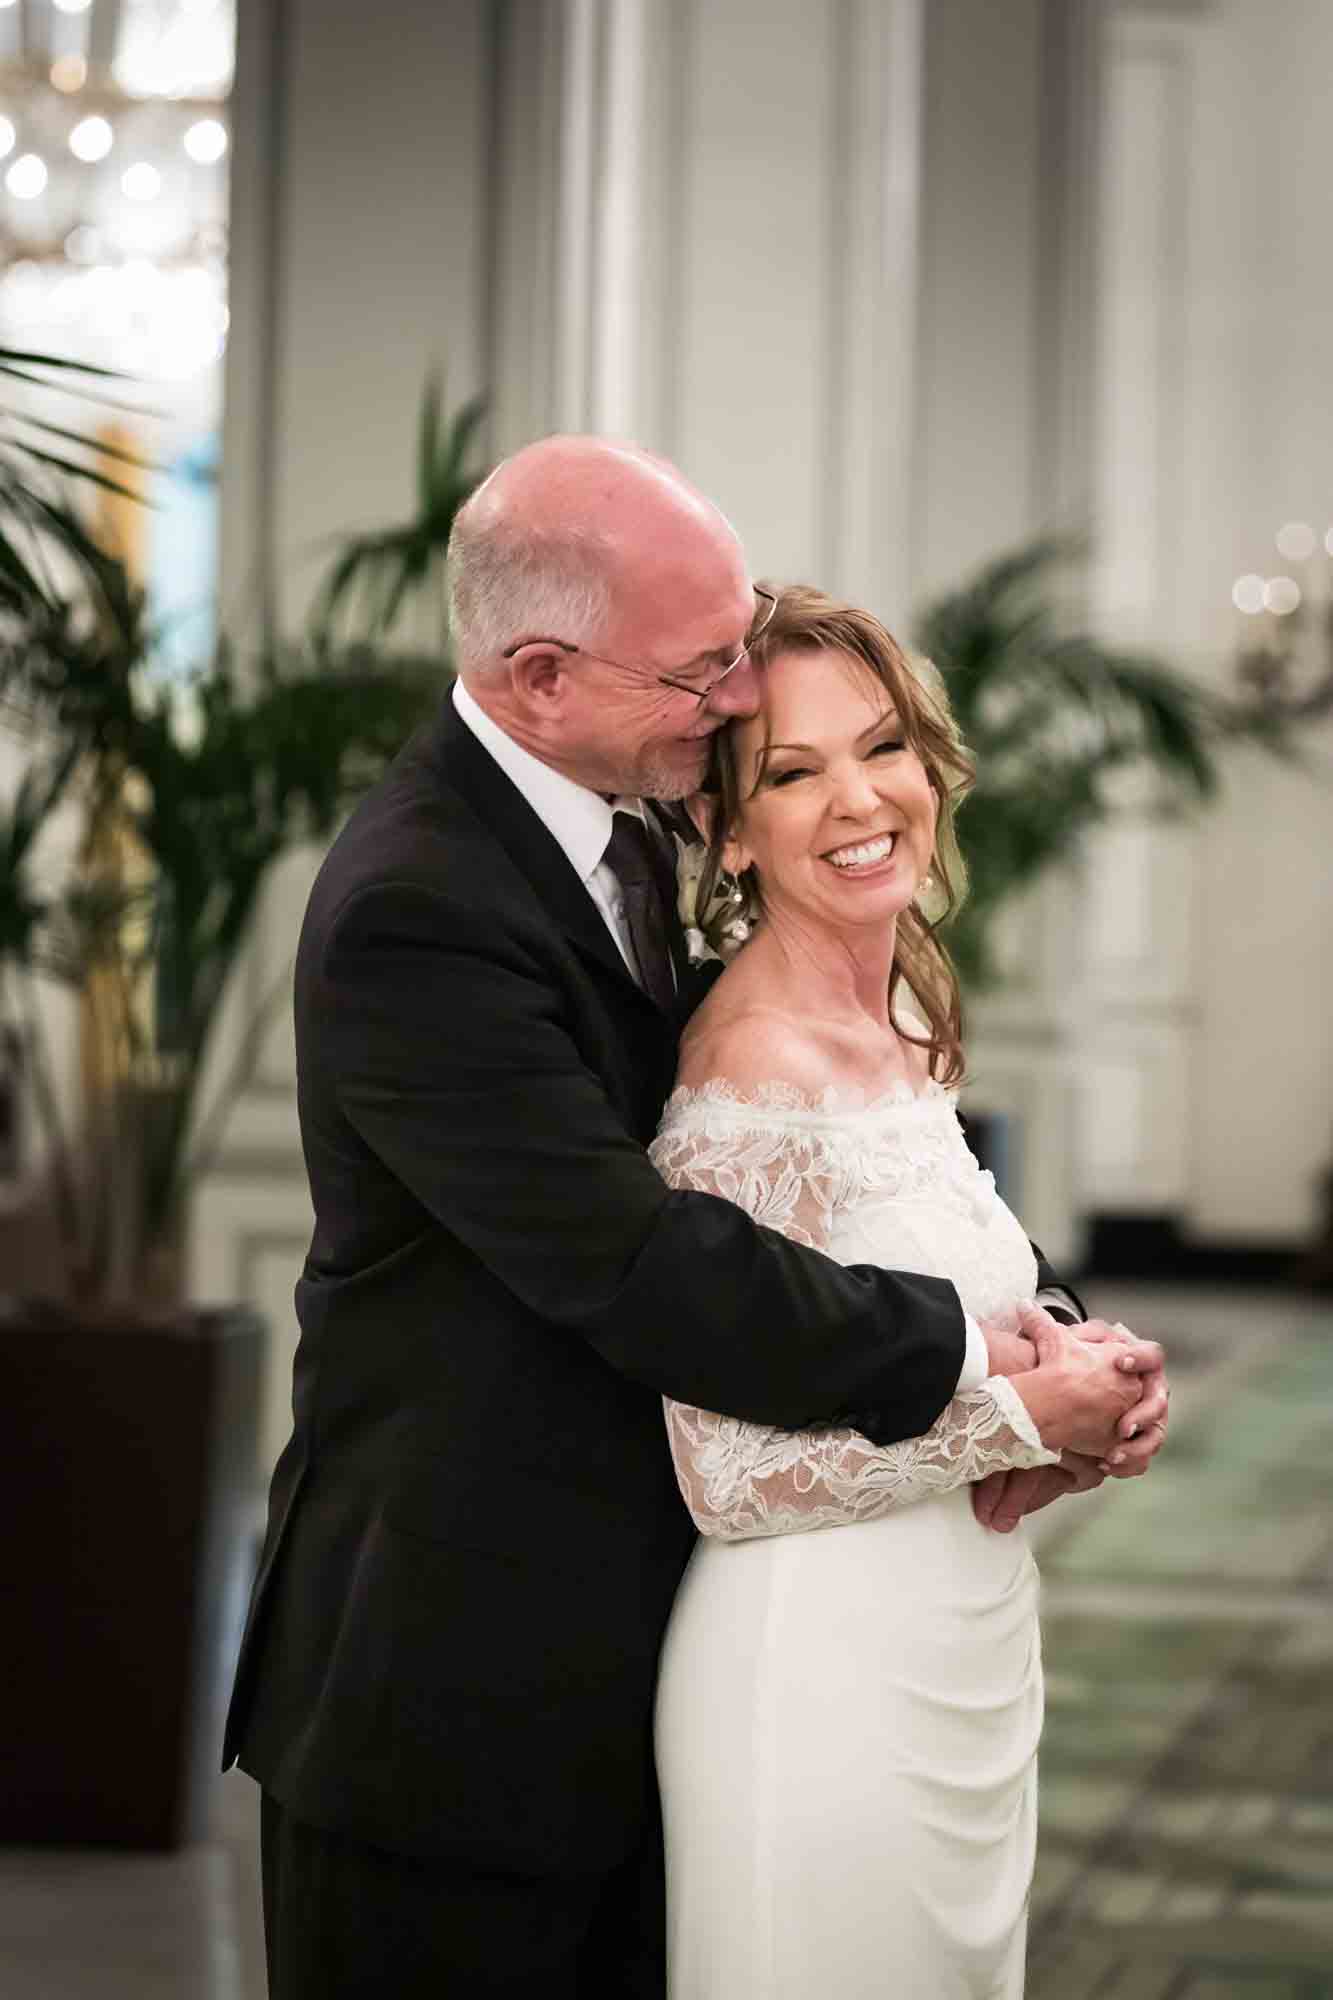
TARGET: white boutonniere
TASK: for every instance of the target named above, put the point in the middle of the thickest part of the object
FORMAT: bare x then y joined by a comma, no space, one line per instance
722,926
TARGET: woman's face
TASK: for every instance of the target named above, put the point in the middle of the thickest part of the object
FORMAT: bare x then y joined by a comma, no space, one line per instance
838,819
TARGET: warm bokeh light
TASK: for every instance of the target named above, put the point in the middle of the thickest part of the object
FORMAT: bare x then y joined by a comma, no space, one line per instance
91,139
206,141
1247,594
69,73
27,177
1295,541
1281,595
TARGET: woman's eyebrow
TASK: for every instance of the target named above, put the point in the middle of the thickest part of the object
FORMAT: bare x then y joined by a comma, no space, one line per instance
889,715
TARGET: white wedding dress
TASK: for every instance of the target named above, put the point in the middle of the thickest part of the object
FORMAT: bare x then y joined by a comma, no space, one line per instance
847,1720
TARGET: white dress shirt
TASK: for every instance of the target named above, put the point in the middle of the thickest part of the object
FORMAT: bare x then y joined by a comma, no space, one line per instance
580,822
577,819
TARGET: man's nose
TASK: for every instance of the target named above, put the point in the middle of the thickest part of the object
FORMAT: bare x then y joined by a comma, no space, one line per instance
737,693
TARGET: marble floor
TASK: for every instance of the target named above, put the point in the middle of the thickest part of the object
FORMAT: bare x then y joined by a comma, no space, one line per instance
1187,1769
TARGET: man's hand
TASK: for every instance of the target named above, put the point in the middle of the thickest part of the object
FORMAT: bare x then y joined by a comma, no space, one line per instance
1002,1499
1008,1352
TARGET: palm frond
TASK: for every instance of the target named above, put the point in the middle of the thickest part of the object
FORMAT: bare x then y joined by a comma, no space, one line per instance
1051,715
377,575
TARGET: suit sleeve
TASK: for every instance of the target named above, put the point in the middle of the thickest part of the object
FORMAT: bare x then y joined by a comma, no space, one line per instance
454,1065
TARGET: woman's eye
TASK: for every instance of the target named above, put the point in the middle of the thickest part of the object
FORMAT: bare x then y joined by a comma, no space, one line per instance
789,775
888,743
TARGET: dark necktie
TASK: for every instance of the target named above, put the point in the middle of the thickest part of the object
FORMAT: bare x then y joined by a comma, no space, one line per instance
633,862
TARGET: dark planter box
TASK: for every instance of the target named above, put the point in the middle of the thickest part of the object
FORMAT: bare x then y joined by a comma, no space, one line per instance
127,1468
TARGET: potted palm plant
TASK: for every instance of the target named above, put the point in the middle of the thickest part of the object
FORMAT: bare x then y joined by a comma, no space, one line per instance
129,1411
1054,718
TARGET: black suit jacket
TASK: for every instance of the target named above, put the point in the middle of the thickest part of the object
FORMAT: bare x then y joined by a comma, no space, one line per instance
475,1532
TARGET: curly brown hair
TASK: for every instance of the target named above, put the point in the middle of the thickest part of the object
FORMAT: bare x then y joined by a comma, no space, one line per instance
806,620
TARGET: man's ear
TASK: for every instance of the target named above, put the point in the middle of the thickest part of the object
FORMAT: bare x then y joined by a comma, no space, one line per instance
539,677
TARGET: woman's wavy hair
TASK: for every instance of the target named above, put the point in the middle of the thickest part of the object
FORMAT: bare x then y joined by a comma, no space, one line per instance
807,621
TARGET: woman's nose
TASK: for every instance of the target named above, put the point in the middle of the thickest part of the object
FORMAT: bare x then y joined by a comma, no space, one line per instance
853,790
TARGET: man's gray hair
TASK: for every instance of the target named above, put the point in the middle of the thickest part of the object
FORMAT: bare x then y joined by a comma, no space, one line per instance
507,584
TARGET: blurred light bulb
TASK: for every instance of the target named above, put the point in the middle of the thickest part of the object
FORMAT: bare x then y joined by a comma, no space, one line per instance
8,137
1247,594
141,182
91,139
1281,595
71,6
1295,541
27,177
69,73
206,141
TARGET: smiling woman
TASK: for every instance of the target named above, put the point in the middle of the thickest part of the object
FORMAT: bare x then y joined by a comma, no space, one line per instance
847,1721
835,804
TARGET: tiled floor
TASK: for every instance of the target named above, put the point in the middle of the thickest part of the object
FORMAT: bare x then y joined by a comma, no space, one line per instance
1187,1770
1187,1763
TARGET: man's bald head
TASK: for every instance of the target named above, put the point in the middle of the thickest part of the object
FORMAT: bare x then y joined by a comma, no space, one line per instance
567,533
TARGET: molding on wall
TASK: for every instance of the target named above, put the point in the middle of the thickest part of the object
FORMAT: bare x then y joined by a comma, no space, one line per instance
522,345
874,192
246,558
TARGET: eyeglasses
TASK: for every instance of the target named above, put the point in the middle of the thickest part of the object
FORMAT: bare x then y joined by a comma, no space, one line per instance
765,606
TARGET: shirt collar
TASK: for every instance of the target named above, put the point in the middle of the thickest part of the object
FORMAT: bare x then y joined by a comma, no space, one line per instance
579,820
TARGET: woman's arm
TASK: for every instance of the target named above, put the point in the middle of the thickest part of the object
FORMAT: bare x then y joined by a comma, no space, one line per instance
741,1480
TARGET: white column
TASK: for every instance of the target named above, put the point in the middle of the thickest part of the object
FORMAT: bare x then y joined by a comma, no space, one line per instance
361,234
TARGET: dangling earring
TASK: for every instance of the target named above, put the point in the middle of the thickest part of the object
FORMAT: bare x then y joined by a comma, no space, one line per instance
736,923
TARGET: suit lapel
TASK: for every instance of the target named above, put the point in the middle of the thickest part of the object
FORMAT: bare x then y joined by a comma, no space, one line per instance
535,852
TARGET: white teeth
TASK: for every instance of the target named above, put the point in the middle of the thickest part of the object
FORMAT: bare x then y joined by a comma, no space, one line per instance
857,857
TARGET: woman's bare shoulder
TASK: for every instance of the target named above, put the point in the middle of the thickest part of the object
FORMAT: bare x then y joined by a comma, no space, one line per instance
750,1046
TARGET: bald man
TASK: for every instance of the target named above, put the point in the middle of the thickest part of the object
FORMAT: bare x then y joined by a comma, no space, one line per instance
475,1534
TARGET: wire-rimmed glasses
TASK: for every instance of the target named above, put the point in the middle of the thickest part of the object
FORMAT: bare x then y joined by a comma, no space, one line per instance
764,617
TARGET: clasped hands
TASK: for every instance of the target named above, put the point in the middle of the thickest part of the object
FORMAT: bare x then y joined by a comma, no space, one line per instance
1103,1404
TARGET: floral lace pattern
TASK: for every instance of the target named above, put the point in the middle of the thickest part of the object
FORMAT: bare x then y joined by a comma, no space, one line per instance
886,1180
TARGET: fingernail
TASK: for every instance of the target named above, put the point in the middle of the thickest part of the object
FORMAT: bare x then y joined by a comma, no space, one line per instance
1126,1365
1117,1458
1102,1465
1133,1430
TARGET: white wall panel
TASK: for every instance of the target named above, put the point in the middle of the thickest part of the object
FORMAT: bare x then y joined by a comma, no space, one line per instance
1215,427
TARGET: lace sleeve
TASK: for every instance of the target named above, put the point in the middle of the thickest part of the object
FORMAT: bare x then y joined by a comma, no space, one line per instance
741,1480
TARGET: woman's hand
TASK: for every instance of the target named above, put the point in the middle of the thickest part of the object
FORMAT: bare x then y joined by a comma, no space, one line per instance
1081,1391
1142,1433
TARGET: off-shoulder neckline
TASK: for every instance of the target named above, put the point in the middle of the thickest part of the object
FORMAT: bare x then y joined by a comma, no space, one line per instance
719,1093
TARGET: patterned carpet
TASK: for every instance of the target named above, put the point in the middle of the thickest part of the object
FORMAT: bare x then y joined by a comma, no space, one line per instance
1187,1765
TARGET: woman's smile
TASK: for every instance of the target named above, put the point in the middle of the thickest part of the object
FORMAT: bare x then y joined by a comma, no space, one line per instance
864,857
832,789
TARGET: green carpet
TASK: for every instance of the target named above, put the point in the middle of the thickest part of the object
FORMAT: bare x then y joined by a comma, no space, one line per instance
1187,1764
